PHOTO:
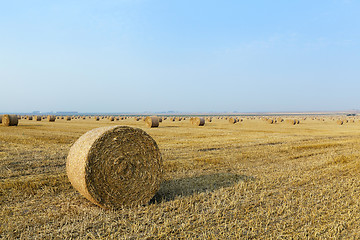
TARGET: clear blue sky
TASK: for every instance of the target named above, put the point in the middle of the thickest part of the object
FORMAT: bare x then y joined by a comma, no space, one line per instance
182,55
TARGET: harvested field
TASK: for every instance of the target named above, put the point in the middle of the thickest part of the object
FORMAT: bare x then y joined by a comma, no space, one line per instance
252,180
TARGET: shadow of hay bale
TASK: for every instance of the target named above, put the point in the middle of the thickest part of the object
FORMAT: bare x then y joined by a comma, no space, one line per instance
183,187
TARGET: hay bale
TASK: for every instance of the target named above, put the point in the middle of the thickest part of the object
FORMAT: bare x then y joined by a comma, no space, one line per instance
198,121
271,121
233,120
291,121
51,118
67,118
1,118
115,166
10,120
37,118
340,122
111,118
96,118
152,121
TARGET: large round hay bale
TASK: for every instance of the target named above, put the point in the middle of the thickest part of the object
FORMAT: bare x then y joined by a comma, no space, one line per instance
1,118
10,120
30,118
67,118
198,121
152,121
51,118
115,166
37,118
96,118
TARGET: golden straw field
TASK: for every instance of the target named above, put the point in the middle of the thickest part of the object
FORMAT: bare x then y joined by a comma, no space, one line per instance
248,180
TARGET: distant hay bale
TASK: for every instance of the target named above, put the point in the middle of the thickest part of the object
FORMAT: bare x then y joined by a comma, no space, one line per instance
271,121
160,119
37,118
152,121
291,121
233,120
96,118
115,166
111,118
10,120
67,118
29,118
198,121
340,122
1,118
51,118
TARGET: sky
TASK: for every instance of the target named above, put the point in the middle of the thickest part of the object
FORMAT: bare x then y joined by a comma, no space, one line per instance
180,55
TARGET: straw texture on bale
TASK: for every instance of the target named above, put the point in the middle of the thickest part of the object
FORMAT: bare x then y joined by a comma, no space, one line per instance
51,118
152,121
10,120
115,166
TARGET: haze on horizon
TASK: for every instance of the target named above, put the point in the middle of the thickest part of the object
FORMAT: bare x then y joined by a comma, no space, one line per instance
186,56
